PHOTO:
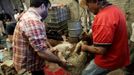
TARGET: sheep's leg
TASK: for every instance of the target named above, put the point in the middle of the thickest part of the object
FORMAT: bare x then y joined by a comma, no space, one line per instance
60,55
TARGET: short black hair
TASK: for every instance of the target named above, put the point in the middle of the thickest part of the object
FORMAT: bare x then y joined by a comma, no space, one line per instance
37,3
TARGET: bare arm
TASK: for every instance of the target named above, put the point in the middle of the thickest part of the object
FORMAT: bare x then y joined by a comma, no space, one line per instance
94,49
49,56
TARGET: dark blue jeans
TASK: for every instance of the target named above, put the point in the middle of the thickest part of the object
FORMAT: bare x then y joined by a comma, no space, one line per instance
93,69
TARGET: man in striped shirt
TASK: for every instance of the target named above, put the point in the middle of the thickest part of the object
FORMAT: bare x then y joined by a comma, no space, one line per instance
29,40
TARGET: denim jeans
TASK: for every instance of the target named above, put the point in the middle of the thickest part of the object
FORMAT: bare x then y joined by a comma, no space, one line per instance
93,69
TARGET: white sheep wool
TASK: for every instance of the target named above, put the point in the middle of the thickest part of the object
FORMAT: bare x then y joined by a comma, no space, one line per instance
76,58
63,50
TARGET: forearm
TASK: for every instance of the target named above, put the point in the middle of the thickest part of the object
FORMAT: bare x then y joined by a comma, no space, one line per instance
49,56
97,50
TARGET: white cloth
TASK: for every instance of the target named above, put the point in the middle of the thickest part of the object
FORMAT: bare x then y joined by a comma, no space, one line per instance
2,30
132,35
16,16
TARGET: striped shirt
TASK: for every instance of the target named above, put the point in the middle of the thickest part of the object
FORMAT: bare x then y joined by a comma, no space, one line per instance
28,39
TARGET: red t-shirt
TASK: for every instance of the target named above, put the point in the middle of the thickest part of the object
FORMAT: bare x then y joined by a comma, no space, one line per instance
109,28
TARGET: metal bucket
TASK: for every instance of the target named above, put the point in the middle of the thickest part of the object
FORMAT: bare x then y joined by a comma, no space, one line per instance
74,28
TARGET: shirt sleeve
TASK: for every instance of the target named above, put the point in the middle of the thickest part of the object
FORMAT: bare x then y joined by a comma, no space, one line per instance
35,31
103,31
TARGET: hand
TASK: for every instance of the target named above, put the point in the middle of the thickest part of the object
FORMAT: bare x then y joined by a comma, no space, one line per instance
65,65
84,36
87,37
84,47
53,49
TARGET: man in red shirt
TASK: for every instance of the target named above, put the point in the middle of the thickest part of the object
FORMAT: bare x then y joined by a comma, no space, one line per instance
110,41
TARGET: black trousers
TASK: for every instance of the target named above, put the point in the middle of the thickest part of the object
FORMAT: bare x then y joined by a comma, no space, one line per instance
41,72
129,69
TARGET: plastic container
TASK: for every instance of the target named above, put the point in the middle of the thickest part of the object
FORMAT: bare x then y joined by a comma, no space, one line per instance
73,25
74,28
75,32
